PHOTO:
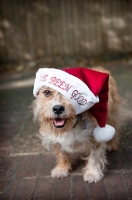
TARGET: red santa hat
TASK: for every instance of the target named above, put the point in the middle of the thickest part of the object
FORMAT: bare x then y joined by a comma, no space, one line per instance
85,88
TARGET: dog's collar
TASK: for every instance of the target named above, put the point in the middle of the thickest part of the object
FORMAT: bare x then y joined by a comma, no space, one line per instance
80,118
77,120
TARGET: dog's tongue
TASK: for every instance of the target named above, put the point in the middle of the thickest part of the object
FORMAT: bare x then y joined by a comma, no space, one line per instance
59,122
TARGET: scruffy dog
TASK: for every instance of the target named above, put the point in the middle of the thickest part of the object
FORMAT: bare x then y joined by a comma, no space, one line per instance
61,130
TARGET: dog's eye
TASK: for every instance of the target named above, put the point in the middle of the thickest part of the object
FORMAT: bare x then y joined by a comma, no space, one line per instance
47,93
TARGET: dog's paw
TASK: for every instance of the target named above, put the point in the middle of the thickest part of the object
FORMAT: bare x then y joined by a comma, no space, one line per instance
92,176
59,173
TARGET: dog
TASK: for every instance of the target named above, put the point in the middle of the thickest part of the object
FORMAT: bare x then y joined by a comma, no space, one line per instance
61,131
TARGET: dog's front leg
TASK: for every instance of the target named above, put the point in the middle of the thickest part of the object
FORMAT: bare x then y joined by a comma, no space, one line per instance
63,164
93,171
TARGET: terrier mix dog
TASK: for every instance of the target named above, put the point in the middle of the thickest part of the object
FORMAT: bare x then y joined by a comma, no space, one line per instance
66,132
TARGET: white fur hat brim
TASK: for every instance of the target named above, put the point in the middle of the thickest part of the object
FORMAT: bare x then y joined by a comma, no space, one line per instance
75,90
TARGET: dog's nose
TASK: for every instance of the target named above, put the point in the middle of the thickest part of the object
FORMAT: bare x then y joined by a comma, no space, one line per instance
58,109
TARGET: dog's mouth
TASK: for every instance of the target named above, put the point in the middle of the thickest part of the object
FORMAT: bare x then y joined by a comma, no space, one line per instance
59,122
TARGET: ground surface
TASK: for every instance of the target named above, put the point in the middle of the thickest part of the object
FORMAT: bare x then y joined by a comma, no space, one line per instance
25,166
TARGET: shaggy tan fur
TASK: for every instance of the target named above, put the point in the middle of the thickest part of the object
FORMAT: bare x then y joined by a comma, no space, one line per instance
69,139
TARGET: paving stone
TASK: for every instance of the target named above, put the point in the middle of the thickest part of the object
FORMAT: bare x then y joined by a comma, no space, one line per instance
79,188
1,187
7,167
61,189
5,145
115,187
117,160
9,190
43,189
47,163
27,139
27,166
98,191
128,184
128,153
26,189
8,130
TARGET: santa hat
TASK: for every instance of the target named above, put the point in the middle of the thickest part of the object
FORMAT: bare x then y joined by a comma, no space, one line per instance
85,88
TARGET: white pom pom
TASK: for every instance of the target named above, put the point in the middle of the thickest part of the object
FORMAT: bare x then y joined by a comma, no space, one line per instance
104,134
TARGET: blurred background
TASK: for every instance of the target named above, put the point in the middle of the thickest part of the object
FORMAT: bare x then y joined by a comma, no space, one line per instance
61,33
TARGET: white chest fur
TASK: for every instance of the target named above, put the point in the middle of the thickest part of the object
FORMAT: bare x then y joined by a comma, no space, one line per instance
71,141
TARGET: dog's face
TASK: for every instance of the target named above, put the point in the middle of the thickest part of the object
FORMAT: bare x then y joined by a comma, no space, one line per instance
54,112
